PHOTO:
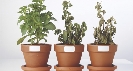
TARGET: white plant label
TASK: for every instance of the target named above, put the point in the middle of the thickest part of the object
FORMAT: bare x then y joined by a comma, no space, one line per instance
103,48
34,48
69,49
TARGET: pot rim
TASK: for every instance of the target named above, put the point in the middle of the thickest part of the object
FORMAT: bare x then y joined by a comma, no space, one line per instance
23,67
68,68
36,47
89,66
61,48
67,44
92,44
95,48
37,44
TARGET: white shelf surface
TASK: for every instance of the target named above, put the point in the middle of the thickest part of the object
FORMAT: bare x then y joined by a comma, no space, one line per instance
15,64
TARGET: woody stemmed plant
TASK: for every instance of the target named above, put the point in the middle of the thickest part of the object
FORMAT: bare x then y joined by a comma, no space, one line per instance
73,33
105,31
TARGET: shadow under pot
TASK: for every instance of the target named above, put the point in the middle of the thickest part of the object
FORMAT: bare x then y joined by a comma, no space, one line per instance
101,55
36,55
68,55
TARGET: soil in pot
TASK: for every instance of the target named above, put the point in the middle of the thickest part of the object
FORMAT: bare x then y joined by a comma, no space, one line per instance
25,68
101,55
92,68
36,55
68,55
69,68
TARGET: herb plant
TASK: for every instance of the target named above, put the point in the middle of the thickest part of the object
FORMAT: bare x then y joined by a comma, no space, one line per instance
104,33
73,33
35,23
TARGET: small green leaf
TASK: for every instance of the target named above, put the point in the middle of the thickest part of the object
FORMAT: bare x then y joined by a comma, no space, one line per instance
47,19
99,15
45,39
52,18
32,40
21,40
64,35
29,40
21,17
83,34
44,7
23,29
70,5
65,12
45,35
96,7
35,0
71,17
32,30
50,26
57,31
19,21
104,11
115,22
63,17
73,42
64,3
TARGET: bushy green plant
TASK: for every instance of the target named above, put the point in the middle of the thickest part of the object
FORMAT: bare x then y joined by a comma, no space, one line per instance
104,33
34,22
73,33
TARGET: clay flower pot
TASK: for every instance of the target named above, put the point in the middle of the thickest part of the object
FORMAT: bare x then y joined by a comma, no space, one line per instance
25,68
68,55
36,55
101,55
92,68
69,68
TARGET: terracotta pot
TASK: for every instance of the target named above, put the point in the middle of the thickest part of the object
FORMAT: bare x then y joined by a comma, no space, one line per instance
36,55
101,55
68,55
92,68
23,67
69,68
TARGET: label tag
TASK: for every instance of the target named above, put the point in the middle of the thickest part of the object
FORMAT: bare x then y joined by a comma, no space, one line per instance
103,48
69,49
34,48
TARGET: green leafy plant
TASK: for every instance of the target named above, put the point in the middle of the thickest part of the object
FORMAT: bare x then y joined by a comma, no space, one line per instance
104,33
73,33
34,22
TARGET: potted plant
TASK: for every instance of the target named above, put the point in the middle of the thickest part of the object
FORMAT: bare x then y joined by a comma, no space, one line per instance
69,51
35,24
103,49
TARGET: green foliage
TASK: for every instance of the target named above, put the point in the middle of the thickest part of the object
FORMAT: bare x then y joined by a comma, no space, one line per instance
34,22
104,33
73,33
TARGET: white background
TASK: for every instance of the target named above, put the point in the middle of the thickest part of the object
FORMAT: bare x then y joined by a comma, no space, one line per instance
83,10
